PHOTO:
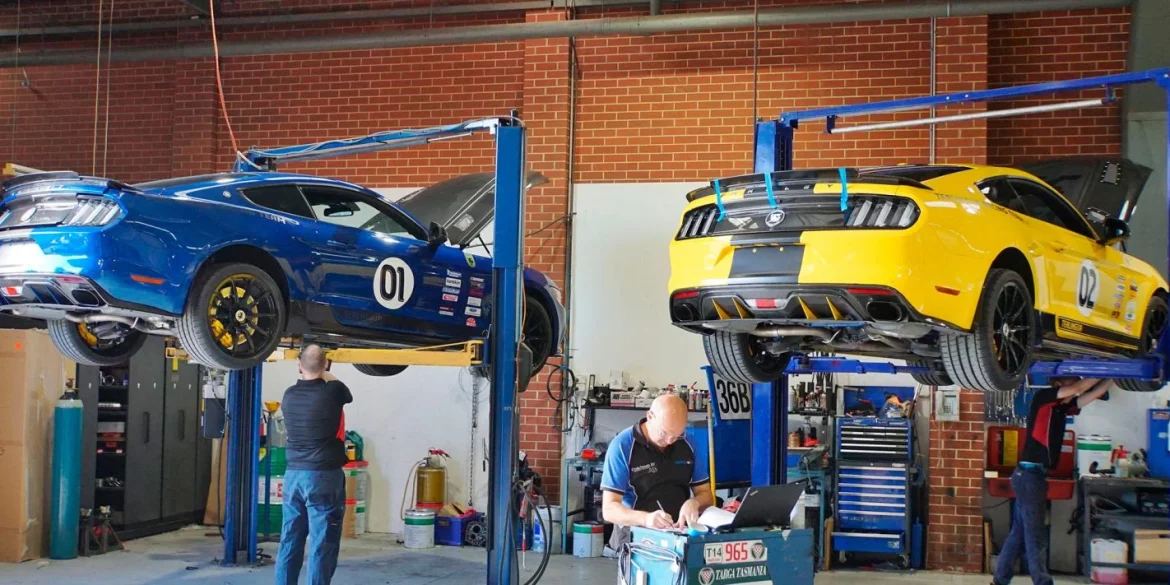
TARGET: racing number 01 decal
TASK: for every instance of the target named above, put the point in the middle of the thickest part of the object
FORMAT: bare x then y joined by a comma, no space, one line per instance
1088,285
393,283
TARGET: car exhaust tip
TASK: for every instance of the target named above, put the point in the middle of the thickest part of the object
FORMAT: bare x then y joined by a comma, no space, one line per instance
85,298
683,312
884,311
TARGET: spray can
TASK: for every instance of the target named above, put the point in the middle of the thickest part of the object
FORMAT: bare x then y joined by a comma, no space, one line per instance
65,513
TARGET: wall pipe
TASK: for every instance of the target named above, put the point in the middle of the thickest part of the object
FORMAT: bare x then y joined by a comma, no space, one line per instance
638,25
364,16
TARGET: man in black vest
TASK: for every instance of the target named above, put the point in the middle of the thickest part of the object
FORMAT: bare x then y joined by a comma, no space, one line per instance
1047,417
652,476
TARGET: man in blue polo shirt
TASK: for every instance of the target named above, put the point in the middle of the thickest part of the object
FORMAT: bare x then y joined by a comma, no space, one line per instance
653,477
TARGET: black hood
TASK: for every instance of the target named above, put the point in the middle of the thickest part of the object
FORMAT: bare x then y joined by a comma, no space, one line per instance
463,205
1110,185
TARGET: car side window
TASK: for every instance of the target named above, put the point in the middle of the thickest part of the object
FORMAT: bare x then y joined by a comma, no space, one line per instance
1049,207
350,209
1000,193
283,198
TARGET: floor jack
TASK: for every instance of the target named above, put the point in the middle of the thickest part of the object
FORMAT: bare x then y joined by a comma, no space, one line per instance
96,533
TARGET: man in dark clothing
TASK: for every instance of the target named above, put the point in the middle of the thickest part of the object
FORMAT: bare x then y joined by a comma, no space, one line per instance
314,485
1047,417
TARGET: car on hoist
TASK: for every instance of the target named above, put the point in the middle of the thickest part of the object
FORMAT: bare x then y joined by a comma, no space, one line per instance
971,271
237,264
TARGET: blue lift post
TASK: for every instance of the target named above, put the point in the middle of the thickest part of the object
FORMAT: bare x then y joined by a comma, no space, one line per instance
244,389
774,151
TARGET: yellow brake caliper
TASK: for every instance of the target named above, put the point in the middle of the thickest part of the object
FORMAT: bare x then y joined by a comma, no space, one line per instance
218,329
86,335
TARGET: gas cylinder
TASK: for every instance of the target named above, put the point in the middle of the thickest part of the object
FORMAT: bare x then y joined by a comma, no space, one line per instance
431,481
65,509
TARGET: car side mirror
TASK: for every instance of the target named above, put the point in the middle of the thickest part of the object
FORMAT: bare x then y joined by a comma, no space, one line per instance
1115,231
436,235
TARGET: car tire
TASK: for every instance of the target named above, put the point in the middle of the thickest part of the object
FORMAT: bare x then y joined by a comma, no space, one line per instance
1152,328
88,351
380,370
538,332
936,377
978,360
247,304
740,357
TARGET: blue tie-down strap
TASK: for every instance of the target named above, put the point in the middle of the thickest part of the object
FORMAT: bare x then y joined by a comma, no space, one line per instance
844,188
771,193
719,200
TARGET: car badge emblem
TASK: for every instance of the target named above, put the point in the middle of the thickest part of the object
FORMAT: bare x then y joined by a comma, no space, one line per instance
706,576
775,218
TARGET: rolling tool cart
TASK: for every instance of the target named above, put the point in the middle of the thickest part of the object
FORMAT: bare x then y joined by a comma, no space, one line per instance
873,499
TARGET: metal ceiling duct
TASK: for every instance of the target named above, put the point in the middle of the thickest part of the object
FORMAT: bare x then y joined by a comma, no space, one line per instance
637,25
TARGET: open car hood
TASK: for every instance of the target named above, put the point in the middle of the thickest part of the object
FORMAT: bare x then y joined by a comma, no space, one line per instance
463,205
1111,185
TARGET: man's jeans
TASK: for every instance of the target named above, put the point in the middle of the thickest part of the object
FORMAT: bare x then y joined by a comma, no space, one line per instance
314,505
1029,534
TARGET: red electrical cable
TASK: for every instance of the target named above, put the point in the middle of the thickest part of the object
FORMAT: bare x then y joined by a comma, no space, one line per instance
219,80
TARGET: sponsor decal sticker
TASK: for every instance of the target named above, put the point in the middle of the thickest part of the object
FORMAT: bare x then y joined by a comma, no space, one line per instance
474,312
450,291
453,282
474,301
453,274
450,298
471,321
470,259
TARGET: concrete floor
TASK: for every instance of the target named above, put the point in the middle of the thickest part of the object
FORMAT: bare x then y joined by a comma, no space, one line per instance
189,557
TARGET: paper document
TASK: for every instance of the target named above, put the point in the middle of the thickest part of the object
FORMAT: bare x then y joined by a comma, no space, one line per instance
715,518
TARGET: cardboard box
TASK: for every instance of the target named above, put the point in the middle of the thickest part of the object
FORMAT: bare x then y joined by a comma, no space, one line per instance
1151,546
34,377
622,398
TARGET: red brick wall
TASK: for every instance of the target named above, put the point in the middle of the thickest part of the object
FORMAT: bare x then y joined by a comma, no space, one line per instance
955,528
662,108
1053,46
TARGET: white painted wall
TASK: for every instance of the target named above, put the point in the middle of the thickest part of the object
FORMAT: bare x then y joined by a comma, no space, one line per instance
399,419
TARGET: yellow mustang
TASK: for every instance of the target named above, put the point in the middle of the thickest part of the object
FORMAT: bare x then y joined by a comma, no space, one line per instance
972,271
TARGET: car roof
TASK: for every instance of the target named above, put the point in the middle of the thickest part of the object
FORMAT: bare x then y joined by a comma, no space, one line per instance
199,182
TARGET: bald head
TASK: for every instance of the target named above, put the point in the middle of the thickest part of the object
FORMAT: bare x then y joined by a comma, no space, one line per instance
667,420
312,361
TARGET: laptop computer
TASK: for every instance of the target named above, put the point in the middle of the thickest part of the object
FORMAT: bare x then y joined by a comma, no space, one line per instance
761,506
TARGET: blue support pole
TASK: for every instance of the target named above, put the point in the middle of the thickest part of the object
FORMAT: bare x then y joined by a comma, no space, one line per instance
507,293
766,146
231,497
770,433
253,459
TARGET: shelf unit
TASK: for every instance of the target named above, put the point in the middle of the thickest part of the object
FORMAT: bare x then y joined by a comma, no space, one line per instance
1112,486
157,454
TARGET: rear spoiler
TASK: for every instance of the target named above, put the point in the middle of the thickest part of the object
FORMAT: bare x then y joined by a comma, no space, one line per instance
58,177
803,180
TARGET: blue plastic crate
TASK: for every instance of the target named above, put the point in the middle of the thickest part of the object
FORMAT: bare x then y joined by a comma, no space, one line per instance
449,531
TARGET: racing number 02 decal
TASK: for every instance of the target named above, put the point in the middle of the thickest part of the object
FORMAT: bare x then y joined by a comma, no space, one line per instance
393,283
1088,285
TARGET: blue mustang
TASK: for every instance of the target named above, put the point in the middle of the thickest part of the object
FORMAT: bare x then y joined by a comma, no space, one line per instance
236,264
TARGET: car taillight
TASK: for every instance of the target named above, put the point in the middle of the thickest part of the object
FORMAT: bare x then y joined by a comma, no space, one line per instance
92,211
881,212
698,222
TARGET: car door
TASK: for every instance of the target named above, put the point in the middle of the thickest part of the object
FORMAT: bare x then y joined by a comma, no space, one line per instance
1087,281
376,272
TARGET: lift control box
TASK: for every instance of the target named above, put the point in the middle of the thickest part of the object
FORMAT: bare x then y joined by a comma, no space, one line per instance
744,557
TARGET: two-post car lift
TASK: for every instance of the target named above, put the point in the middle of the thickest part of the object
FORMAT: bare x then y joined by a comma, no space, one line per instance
774,142
244,387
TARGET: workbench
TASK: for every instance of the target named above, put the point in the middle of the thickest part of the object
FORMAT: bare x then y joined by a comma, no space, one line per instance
750,556
1101,523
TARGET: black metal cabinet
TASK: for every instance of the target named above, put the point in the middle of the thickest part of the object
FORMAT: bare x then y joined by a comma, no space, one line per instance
144,434
88,382
180,437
